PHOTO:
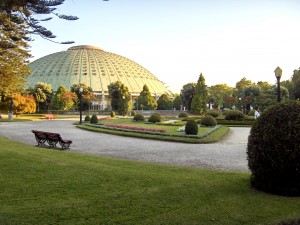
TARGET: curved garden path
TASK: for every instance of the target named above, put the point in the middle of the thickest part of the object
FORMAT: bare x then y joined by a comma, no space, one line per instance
229,154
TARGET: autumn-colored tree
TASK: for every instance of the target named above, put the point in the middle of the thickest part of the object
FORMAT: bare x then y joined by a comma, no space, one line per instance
87,95
63,99
23,104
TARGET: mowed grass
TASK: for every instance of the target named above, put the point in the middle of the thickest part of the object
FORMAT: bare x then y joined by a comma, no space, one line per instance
43,186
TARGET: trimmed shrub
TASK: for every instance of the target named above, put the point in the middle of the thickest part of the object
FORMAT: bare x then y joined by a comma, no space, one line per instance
234,115
273,150
208,121
139,117
112,114
133,113
191,127
213,113
87,118
94,119
183,115
155,117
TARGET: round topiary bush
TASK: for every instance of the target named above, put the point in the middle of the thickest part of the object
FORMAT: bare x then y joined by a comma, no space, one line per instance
191,127
132,113
94,119
183,115
112,114
139,117
213,113
155,117
208,121
273,150
87,118
234,115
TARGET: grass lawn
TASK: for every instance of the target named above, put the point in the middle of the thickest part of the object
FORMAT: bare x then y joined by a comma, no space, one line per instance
42,186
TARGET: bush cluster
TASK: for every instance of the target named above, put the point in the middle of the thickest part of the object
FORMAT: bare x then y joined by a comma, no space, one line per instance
94,119
251,112
273,150
191,127
155,117
208,121
183,115
234,115
213,113
139,117
87,118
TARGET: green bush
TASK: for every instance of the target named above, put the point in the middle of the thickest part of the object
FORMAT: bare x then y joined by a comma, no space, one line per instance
191,127
87,118
234,115
183,115
133,113
112,114
94,119
139,117
251,112
273,150
213,113
155,117
208,121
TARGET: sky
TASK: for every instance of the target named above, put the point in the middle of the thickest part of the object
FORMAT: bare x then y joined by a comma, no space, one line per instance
177,40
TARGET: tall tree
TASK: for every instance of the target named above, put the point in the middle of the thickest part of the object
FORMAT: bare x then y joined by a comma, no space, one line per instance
120,97
200,98
87,95
63,99
187,93
219,92
42,93
243,83
146,100
164,102
177,102
296,83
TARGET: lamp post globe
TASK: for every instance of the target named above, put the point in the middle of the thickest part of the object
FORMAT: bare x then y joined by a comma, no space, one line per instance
80,107
278,74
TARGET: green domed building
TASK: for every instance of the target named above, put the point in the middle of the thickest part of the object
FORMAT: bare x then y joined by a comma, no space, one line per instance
97,69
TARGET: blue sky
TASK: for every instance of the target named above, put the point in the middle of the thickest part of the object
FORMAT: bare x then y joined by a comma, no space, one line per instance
176,40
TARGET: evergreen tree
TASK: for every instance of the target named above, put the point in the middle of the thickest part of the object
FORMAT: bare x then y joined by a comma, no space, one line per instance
177,103
145,100
198,105
296,84
164,102
120,97
187,93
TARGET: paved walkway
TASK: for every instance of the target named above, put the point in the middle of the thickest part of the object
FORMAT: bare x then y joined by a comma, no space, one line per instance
229,154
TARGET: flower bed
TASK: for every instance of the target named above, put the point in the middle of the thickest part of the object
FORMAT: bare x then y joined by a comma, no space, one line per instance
136,128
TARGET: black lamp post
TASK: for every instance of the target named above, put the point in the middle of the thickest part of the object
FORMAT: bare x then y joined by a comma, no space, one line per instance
80,107
278,73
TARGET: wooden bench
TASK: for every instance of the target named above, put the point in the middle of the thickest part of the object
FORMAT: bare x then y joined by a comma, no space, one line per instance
50,116
51,138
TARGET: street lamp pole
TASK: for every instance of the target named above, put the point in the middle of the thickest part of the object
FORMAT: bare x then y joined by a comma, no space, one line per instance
80,107
278,73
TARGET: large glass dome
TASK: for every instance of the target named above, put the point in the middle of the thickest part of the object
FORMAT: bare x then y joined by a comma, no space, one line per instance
94,67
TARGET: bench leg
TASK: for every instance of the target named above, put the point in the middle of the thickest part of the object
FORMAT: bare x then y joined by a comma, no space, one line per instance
64,145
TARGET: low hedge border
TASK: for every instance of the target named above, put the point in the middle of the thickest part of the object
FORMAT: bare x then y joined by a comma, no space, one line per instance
157,133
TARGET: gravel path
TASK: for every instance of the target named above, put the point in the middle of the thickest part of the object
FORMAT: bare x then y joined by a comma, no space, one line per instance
229,154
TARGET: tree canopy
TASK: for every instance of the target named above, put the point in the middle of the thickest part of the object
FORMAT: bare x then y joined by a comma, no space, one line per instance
199,101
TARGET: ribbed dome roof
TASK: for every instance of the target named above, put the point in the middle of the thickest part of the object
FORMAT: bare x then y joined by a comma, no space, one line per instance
94,67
